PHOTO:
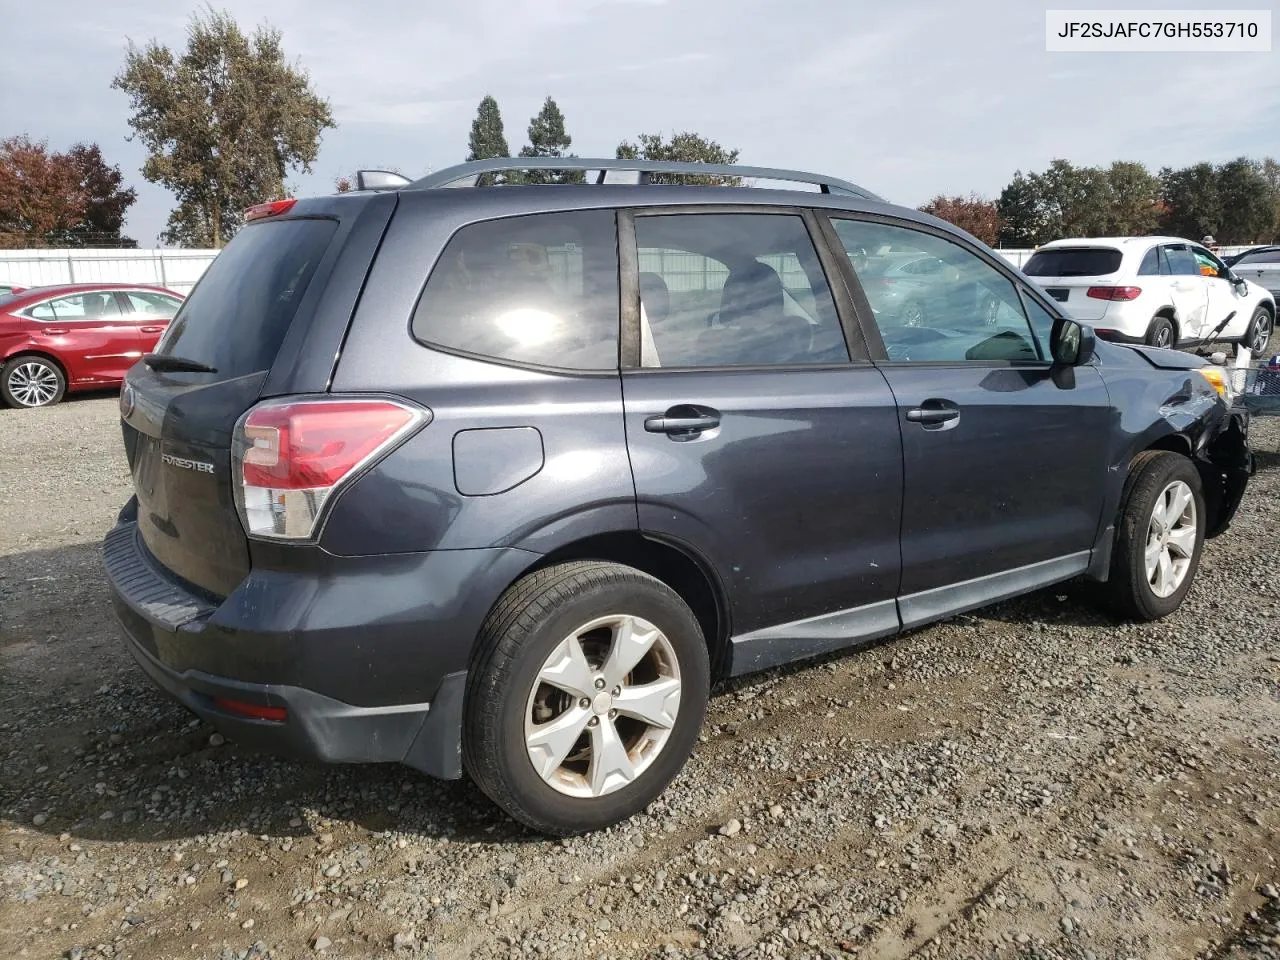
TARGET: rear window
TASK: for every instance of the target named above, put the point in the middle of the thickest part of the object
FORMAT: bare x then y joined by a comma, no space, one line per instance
238,314
541,290
1073,262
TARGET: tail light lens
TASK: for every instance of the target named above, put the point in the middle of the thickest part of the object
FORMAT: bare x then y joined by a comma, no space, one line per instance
1115,293
273,209
291,456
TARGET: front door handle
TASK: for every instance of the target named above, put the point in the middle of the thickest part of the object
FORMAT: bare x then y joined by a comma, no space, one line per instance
683,422
152,329
935,414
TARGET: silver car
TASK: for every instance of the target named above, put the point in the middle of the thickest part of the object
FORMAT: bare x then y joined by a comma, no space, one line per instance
1261,265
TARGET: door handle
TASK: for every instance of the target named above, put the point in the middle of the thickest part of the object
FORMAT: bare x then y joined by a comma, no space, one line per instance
935,414
683,422
55,331
152,329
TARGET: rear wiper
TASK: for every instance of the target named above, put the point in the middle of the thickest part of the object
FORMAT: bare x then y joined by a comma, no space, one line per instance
163,364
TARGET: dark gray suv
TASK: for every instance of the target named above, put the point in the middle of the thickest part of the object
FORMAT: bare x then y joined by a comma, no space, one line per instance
503,478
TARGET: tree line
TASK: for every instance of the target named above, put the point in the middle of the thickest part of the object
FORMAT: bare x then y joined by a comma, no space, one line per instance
228,119
1236,202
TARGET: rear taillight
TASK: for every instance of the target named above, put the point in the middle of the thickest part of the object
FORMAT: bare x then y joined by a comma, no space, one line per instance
1115,293
290,456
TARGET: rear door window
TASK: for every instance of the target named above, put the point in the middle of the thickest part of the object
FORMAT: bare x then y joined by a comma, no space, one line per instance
82,306
540,290
1073,262
731,290
148,304
238,314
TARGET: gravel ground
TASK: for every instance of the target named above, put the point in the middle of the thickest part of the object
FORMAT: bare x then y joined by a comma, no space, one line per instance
1034,781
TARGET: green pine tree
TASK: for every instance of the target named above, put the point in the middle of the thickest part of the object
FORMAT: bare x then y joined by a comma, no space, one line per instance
487,139
547,138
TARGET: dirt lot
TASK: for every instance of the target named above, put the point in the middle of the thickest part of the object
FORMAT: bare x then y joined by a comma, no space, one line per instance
1033,781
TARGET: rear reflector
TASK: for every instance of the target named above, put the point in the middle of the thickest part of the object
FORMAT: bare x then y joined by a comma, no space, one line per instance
1115,293
290,456
254,711
272,209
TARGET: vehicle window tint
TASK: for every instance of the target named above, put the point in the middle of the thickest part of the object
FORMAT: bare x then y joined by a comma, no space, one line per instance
1150,266
82,306
967,311
1182,263
238,314
153,304
1073,262
729,290
1261,256
541,289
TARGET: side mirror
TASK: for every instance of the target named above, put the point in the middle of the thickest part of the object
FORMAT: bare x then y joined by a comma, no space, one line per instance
1072,344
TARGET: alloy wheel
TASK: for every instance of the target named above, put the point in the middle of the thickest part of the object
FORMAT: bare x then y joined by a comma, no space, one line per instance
33,384
1171,539
603,706
1261,333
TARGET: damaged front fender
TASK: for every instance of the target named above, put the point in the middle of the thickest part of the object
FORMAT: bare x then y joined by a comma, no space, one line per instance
1225,463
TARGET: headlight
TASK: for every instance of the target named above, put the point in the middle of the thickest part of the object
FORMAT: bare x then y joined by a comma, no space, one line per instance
1219,380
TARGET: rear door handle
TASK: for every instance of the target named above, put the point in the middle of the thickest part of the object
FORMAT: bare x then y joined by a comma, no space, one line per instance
683,422
934,414
55,331
152,329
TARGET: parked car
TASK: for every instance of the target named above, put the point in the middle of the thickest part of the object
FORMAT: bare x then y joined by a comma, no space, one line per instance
7,288
501,479
1161,291
76,337
1261,265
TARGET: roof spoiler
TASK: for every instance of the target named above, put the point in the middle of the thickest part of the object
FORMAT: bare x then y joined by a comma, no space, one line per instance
380,180
468,174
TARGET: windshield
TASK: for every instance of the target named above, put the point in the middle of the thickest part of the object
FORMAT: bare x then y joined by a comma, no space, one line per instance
1074,262
238,314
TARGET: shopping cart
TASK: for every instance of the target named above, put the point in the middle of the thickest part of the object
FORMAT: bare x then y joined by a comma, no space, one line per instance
1256,385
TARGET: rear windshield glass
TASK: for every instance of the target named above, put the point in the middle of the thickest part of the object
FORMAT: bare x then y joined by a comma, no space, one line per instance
1073,262
239,312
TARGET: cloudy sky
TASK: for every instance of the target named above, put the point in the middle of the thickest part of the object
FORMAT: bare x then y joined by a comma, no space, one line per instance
909,98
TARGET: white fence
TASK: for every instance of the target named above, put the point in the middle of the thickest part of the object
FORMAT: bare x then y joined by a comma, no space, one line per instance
180,269
176,269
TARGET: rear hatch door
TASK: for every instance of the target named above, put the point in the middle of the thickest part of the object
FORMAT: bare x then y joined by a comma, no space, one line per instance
244,316
1067,273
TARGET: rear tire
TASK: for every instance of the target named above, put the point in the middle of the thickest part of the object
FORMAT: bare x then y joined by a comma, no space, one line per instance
1159,536
561,729
1160,333
32,381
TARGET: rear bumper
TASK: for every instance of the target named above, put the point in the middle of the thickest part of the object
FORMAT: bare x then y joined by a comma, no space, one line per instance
367,656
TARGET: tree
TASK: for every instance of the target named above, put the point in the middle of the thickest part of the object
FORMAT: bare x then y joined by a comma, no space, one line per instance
64,199
686,147
487,139
106,199
1248,210
1021,220
1135,192
978,216
223,124
547,138
1193,208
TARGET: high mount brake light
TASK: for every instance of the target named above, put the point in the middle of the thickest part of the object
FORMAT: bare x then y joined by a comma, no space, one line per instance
272,209
1114,293
290,456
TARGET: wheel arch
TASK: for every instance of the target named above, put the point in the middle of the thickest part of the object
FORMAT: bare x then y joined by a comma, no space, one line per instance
677,565
43,355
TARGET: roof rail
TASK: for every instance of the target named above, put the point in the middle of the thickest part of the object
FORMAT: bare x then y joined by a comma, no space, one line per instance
467,174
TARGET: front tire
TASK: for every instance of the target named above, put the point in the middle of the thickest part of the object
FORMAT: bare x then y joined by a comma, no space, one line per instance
32,381
586,696
1159,537
1259,334
1160,333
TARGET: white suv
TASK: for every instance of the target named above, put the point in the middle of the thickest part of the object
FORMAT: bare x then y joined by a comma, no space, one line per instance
1161,291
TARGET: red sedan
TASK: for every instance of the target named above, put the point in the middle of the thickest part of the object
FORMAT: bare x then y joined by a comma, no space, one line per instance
76,337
